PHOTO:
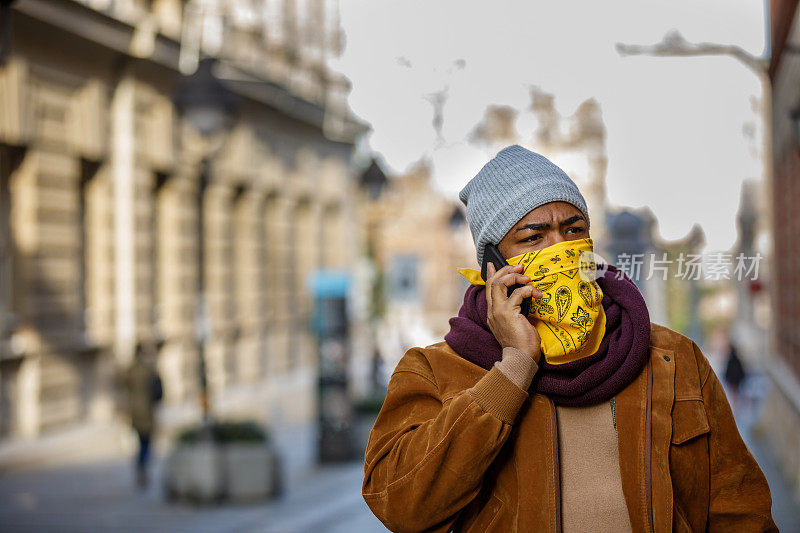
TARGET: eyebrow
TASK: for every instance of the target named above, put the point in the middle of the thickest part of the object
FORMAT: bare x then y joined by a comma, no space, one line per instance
538,226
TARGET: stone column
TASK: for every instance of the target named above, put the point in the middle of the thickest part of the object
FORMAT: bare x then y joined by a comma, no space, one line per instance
122,169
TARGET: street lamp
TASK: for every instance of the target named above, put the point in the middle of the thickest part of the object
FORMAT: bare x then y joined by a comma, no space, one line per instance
373,180
210,107
457,219
205,101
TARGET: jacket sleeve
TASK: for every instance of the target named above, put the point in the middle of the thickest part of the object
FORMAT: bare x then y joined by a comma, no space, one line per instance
427,455
739,498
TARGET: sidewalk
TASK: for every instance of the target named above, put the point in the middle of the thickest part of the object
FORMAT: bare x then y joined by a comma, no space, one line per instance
66,447
102,497
785,507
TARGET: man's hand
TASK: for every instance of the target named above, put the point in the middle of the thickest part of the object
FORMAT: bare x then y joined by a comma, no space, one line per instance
505,318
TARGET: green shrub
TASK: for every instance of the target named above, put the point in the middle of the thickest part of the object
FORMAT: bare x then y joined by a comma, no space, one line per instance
225,432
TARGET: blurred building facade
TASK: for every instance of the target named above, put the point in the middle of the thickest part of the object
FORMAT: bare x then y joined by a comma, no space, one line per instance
635,245
781,414
576,143
753,316
421,238
102,186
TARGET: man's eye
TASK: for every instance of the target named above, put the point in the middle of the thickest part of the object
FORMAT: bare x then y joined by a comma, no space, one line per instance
576,228
532,238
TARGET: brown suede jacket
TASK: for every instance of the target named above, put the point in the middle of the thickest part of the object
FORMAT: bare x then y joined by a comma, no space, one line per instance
456,447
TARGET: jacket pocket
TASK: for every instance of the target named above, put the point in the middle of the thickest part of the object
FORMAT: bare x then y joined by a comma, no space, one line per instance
484,519
689,420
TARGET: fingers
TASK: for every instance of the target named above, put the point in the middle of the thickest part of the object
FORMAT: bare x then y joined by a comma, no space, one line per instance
491,271
520,293
492,276
497,285
515,300
491,280
513,279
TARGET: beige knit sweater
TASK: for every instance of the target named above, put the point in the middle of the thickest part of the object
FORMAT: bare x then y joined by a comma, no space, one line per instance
591,485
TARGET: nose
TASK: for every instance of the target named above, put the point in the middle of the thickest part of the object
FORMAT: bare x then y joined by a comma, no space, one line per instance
556,237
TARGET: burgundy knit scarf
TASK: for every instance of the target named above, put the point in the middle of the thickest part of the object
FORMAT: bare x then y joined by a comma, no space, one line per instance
621,357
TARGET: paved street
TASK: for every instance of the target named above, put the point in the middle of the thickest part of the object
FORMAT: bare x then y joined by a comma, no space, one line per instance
101,497
785,508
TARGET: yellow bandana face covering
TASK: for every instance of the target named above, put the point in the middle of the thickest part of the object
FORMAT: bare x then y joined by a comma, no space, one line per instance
569,316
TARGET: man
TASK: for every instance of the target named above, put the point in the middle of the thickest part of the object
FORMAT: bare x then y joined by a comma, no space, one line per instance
581,416
735,373
144,389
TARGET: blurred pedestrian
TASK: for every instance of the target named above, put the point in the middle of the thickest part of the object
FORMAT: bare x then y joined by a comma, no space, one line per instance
576,415
375,373
145,391
735,373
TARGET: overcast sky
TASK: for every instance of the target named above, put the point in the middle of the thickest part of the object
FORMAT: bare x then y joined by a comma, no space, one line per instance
675,126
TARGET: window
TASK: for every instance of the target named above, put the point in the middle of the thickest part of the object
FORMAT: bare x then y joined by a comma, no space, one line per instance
405,278
7,252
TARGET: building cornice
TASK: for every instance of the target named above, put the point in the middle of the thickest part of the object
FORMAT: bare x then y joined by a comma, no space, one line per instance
97,27
116,35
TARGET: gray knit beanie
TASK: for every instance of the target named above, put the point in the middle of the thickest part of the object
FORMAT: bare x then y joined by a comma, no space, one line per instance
508,187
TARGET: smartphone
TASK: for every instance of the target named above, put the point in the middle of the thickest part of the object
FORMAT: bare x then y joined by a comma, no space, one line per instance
491,253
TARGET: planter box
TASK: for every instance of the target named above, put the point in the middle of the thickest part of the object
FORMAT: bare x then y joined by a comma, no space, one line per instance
208,472
249,472
195,472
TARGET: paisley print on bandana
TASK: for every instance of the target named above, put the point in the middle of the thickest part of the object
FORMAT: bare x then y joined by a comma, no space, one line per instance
569,316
